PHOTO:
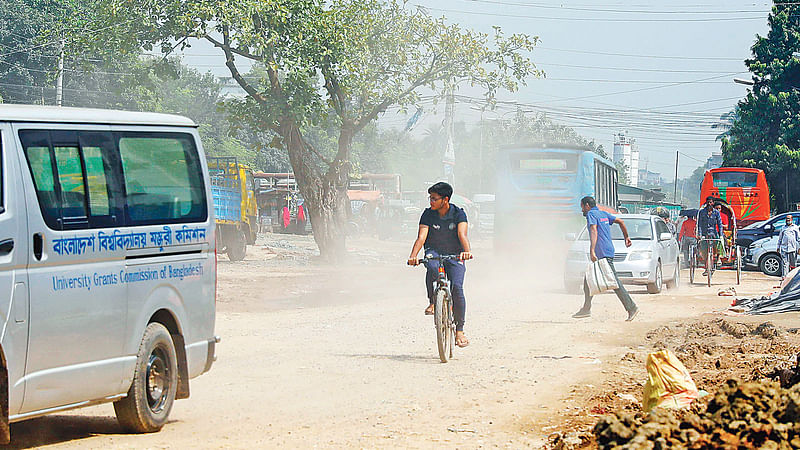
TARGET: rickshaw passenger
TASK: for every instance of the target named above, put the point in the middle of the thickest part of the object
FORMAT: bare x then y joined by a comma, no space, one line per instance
726,229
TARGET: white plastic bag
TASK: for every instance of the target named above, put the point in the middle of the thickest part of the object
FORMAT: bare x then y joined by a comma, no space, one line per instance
600,277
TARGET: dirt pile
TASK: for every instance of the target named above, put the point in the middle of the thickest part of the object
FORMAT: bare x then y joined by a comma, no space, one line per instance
713,349
753,414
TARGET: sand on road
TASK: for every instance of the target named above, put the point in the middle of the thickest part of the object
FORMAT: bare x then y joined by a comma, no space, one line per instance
342,356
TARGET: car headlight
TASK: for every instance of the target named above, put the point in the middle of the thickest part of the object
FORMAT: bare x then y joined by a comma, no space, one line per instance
640,255
756,244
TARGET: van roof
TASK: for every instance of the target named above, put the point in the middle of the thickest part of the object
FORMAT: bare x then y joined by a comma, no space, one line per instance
61,114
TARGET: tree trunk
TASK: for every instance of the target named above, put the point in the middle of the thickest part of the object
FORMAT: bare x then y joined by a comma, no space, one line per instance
324,194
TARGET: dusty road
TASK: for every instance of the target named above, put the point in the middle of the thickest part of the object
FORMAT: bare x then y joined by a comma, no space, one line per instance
344,357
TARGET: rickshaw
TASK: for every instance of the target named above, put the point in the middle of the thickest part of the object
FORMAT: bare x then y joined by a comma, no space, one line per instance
724,247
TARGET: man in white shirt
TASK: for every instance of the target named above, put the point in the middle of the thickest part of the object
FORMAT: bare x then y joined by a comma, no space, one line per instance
787,245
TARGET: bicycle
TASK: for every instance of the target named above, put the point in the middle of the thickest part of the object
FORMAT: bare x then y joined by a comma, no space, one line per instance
443,318
711,256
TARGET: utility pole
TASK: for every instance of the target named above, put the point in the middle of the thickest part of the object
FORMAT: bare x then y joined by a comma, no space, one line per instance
675,195
60,78
449,159
480,157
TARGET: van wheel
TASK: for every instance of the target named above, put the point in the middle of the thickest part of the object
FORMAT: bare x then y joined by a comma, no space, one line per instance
155,380
238,247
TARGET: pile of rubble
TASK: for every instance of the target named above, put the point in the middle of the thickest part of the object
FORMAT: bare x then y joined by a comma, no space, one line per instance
753,414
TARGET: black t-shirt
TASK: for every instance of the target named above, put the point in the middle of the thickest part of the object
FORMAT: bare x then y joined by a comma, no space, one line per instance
443,231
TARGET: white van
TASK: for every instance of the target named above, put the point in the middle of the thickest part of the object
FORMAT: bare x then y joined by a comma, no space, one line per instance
107,263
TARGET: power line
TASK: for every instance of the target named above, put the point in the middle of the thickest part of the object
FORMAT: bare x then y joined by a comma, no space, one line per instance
600,80
589,19
58,41
681,83
625,11
629,55
626,69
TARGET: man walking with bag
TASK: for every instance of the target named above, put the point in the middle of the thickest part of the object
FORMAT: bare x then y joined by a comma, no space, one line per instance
787,245
601,246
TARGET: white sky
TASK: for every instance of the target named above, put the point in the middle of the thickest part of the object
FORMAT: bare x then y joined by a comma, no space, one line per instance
663,71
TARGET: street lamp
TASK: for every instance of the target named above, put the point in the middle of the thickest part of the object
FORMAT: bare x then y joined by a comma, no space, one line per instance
743,81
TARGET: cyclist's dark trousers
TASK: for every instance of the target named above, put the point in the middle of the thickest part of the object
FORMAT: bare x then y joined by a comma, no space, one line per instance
455,272
622,293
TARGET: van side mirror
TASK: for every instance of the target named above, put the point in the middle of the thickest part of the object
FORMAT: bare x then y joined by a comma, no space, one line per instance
569,237
768,228
665,236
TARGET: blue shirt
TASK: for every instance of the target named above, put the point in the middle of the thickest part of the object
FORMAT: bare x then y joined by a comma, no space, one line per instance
604,248
709,223
443,231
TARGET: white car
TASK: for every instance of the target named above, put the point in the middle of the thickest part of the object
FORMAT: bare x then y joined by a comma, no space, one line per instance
763,255
652,260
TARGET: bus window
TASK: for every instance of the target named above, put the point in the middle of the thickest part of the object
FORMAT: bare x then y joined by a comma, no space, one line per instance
547,162
734,179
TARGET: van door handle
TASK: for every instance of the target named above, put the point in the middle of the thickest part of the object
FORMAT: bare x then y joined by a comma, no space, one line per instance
38,246
6,246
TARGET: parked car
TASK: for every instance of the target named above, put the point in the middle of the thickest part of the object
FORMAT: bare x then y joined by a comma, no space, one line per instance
761,230
763,255
653,254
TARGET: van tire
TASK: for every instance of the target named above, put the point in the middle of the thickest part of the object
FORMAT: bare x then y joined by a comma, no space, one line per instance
237,247
140,412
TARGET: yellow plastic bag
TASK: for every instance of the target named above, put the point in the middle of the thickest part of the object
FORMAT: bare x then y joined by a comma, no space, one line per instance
669,384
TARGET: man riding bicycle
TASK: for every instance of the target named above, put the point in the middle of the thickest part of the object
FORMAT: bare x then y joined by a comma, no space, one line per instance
443,231
709,224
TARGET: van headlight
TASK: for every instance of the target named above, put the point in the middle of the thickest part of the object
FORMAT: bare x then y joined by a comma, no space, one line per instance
640,255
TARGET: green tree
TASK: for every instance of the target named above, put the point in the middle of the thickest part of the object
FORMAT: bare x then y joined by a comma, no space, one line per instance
766,126
347,60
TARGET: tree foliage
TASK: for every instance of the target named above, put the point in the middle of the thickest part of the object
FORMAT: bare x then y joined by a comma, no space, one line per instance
766,128
315,62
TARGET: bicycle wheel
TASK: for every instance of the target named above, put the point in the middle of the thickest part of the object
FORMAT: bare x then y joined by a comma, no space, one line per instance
692,263
709,262
440,319
451,329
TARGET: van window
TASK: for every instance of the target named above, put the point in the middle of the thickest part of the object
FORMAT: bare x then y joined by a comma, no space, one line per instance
64,171
96,179
70,177
163,178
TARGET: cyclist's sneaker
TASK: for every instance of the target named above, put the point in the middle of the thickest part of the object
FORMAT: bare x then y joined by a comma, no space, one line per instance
632,314
582,314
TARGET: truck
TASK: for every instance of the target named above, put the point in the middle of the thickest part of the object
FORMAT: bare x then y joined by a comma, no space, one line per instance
235,206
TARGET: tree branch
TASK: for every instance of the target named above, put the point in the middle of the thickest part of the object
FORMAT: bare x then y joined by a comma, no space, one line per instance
242,53
251,91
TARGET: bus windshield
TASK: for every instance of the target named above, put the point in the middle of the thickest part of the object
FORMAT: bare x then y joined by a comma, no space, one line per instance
546,163
638,230
734,179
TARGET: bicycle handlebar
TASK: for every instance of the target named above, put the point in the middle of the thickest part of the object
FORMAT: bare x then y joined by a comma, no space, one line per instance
439,258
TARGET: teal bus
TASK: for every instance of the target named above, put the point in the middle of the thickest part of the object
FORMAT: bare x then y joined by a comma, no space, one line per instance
544,183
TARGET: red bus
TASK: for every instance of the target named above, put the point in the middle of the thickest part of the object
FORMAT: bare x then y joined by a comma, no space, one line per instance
743,188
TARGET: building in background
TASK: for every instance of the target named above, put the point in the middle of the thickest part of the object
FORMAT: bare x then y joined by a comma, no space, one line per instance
714,161
648,178
626,152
